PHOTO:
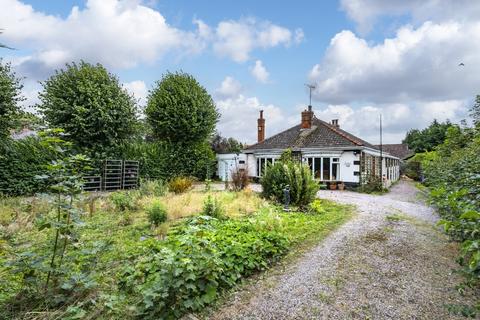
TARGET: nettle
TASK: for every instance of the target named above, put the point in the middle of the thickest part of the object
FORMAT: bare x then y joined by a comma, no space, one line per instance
197,260
58,272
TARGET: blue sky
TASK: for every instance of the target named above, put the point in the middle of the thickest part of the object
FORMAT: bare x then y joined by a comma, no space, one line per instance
367,57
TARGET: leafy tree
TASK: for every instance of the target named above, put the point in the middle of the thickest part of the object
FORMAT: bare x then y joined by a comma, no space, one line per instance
225,145
475,111
179,109
428,138
25,119
90,105
10,97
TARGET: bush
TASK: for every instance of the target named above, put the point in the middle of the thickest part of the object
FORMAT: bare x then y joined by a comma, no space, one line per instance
157,214
197,260
317,207
373,184
452,173
212,208
123,200
20,162
297,176
164,160
155,188
180,184
240,179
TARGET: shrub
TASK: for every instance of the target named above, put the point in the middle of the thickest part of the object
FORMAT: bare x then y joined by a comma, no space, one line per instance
294,174
371,185
240,179
180,184
157,214
155,188
212,208
197,260
123,200
317,207
20,163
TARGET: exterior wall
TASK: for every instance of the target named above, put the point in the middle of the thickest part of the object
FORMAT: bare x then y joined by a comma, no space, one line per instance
347,160
389,168
228,163
348,167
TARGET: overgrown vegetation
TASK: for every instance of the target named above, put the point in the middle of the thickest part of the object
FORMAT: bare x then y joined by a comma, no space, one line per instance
452,173
146,268
180,184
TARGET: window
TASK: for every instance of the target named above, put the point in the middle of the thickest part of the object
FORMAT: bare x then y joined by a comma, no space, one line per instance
356,162
241,162
324,168
262,165
335,169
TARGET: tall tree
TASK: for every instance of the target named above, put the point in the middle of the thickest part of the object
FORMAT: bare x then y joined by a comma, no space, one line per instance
180,110
475,111
10,97
221,144
89,103
428,138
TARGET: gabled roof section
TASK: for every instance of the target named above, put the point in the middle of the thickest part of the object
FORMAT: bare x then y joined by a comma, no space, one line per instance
320,135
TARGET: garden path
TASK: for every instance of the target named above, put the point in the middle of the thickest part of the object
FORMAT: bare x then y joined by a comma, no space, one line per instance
389,262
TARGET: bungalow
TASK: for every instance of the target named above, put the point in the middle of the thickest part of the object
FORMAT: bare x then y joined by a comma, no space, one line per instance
332,153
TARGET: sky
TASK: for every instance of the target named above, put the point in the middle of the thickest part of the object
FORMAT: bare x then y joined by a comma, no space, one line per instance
397,58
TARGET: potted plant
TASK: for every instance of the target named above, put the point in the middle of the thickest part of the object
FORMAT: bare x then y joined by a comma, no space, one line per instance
333,185
341,186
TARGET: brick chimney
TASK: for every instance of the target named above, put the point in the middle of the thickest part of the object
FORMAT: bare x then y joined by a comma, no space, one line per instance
307,117
335,123
261,127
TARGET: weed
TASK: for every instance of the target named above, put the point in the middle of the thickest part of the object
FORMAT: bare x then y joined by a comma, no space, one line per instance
157,214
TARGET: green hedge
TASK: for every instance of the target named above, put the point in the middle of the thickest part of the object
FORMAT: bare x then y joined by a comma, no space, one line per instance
453,175
20,162
162,160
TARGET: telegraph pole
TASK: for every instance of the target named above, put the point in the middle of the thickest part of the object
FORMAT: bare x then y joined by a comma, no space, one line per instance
381,151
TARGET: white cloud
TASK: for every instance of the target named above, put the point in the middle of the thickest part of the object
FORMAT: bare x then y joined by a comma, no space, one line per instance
239,115
418,64
123,34
366,12
229,87
259,72
299,36
363,121
237,39
139,90
116,33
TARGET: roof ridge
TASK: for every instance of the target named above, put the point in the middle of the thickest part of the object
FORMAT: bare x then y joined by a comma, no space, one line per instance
271,137
334,129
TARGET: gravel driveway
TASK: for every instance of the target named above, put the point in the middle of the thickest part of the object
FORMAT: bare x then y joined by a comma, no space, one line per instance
389,262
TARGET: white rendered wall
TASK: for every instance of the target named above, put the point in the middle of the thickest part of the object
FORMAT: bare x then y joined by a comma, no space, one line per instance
347,167
228,163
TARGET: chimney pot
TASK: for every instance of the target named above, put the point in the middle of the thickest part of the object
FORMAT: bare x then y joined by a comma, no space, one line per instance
335,123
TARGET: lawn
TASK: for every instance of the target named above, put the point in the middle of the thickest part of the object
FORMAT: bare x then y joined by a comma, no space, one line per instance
119,265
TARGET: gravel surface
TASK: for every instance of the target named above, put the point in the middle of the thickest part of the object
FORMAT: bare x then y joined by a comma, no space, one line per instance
389,262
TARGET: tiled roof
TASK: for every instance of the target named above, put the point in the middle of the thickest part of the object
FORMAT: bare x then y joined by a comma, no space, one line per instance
398,150
320,135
